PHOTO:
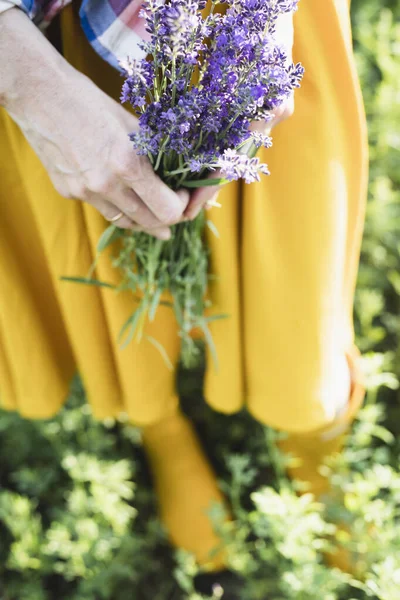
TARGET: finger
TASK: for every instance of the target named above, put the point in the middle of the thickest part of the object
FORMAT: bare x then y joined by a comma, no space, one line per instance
167,205
130,204
106,208
203,196
110,211
285,111
133,209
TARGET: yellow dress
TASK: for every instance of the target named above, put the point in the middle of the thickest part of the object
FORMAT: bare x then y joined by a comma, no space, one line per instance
286,262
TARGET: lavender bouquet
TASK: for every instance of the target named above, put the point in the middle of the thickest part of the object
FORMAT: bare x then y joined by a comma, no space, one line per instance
204,80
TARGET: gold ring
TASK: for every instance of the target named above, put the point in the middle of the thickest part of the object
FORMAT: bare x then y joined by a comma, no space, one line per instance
117,217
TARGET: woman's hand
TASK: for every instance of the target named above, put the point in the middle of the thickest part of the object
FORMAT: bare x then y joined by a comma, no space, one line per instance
284,36
79,133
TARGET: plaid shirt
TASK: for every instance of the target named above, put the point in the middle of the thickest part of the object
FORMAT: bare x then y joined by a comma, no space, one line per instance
113,27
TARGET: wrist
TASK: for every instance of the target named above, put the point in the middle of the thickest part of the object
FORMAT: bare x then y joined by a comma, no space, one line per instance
29,64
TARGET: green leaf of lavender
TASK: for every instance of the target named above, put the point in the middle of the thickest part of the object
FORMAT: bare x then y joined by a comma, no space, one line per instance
130,326
205,182
108,236
161,350
88,281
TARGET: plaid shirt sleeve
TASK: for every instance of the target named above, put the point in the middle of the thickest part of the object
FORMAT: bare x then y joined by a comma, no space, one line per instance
40,11
113,27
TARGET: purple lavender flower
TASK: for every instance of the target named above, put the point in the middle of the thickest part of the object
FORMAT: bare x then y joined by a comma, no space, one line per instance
235,166
195,165
261,140
140,78
204,80
190,125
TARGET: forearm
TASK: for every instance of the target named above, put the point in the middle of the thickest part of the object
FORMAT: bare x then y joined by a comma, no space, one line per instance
29,65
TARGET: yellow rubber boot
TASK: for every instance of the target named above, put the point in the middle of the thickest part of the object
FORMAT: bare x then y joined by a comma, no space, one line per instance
186,488
312,449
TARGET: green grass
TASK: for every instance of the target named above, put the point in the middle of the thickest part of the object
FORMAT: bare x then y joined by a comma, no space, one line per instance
77,511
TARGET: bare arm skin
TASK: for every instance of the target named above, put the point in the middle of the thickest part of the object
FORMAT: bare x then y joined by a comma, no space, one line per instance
79,133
